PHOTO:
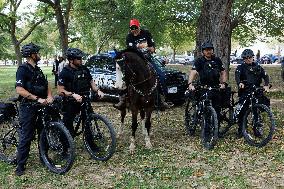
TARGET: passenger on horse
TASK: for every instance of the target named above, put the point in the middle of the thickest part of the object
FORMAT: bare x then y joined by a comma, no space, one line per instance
211,73
140,41
247,74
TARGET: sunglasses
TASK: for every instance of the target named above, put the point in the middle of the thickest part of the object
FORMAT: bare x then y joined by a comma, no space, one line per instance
249,57
133,27
78,58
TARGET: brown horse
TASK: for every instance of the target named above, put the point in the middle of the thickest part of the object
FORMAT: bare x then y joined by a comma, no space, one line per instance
141,85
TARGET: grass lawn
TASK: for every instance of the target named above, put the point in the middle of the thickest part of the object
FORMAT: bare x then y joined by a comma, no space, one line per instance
176,160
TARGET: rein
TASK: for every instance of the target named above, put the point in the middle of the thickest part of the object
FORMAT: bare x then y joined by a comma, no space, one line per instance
134,85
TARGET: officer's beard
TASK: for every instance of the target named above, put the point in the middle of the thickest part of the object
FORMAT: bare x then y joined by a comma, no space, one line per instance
36,60
76,65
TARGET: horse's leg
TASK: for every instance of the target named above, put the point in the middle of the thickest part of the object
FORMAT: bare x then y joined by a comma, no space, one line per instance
142,116
121,126
134,125
148,127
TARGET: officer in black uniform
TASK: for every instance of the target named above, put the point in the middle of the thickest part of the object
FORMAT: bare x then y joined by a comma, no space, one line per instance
141,40
247,74
75,81
31,85
211,73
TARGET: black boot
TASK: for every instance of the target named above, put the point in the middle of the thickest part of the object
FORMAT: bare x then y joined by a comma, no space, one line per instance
20,170
122,102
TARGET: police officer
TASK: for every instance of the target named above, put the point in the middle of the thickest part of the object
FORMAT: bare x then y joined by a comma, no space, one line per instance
247,74
209,68
141,40
31,85
211,73
75,81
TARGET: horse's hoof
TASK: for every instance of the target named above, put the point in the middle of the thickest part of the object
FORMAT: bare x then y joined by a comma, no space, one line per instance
148,145
132,148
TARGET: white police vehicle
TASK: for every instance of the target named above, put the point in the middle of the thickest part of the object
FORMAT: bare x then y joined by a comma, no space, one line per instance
173,83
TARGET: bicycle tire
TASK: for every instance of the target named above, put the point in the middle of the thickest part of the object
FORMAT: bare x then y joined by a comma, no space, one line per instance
56,147
190,121
226,121
209,118
97,131
251,136
9,140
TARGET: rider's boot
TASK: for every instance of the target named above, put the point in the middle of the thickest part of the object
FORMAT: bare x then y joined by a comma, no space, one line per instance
122,102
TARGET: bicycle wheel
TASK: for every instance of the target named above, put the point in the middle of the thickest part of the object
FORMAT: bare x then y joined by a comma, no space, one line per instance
209,133
9,139
258,125
56,147
226,119
190,117
99,137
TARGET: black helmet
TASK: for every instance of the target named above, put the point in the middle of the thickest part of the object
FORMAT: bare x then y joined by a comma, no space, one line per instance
207,45
247,53
73,53
29,49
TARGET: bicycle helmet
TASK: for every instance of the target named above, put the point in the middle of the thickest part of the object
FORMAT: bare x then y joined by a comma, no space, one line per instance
29,49
73,53
207,45
247,53
134,22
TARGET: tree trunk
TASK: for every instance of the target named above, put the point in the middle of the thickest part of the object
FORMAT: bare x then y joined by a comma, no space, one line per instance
214,24
62,29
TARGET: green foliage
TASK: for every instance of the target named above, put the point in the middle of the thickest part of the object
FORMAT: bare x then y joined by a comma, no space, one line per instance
257,19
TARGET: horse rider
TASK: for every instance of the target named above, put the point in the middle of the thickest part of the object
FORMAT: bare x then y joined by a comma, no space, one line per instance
141,40
31,85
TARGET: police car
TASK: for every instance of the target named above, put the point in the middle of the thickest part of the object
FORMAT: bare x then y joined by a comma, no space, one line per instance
173,83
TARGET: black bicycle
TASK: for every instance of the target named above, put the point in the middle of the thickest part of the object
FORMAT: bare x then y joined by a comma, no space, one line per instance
98,133
199,111
56,145
258,123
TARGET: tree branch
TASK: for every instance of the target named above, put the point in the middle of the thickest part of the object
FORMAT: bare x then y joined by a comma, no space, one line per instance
49,2
30,30
18,4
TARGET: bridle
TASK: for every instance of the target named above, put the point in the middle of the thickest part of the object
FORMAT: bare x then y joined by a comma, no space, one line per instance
134,85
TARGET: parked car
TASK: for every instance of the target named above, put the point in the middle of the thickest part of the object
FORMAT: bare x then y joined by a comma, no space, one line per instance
237,60
265,60
173,83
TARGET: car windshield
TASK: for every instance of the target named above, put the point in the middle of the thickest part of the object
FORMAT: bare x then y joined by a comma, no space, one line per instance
158,62
103,62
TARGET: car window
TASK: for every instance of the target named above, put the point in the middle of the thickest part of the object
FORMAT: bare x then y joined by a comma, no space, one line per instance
102,62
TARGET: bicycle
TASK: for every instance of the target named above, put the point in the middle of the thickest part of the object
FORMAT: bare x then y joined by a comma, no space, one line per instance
200,111
258,123
56,145
98,133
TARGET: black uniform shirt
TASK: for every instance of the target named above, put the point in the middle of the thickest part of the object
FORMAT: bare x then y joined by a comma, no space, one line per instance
66,77
144,36
251,74
208,70
32,79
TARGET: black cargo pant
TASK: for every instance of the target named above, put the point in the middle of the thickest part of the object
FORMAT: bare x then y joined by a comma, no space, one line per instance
71,109
28,125
243,100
